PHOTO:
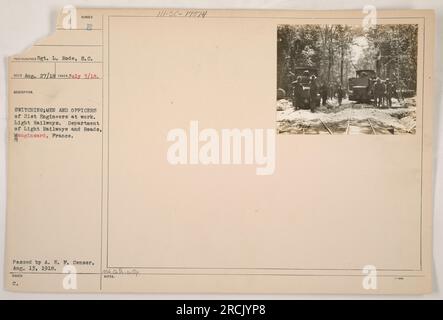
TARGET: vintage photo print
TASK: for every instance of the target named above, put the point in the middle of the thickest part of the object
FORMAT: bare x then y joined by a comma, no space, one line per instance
346,79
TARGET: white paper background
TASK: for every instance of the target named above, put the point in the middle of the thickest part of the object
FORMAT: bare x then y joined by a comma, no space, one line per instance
22,22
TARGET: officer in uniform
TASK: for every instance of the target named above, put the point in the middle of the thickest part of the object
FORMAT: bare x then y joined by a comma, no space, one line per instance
390,92
313,93
379,91
297,89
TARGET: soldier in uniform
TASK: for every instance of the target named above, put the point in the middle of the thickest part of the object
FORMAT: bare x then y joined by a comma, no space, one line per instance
379,91
313,93
389,92
297,89
324,93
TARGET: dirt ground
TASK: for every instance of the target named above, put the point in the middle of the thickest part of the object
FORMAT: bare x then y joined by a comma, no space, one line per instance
349,118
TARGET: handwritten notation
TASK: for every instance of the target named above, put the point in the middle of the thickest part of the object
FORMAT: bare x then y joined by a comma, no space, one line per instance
182,13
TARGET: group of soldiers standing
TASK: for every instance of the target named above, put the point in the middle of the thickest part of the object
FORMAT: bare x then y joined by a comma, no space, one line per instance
330,92
317,93
383,92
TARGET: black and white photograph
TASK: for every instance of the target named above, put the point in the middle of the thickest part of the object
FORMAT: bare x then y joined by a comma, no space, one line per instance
347,79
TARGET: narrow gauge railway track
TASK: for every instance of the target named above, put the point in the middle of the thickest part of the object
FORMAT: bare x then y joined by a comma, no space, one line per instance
354,126
350,125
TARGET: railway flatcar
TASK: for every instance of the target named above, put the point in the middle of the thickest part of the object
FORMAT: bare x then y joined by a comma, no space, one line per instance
361,87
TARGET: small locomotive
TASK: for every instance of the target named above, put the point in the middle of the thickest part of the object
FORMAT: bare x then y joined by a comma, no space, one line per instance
361,87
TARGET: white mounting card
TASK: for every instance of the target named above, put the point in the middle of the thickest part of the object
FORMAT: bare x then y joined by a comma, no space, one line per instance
224,151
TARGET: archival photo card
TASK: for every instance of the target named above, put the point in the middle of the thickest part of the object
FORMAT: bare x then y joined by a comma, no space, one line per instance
190,151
